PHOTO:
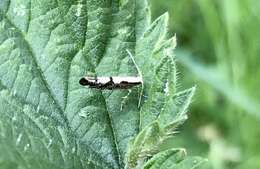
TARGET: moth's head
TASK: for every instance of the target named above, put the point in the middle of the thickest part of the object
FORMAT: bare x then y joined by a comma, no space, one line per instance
88,80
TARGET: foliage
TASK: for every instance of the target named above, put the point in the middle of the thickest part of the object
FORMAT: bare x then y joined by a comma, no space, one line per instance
47,120
219,43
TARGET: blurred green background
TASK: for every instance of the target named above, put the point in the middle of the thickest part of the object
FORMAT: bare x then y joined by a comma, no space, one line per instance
219,51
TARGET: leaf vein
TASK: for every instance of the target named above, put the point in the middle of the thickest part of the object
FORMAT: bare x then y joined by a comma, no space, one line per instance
41,74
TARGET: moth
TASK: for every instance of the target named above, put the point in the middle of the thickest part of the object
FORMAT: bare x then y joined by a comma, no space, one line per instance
110,83
114,82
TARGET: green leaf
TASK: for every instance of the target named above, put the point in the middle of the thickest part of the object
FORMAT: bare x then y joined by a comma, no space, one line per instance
145,145
162,87
175,159
47,120
168,158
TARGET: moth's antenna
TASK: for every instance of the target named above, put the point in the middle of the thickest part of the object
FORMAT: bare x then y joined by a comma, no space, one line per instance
140,74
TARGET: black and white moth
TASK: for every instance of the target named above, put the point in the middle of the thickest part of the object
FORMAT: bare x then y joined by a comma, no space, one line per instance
115,82
110,83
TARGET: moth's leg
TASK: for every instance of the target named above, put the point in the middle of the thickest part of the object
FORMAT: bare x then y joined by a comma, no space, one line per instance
123,102
109,85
